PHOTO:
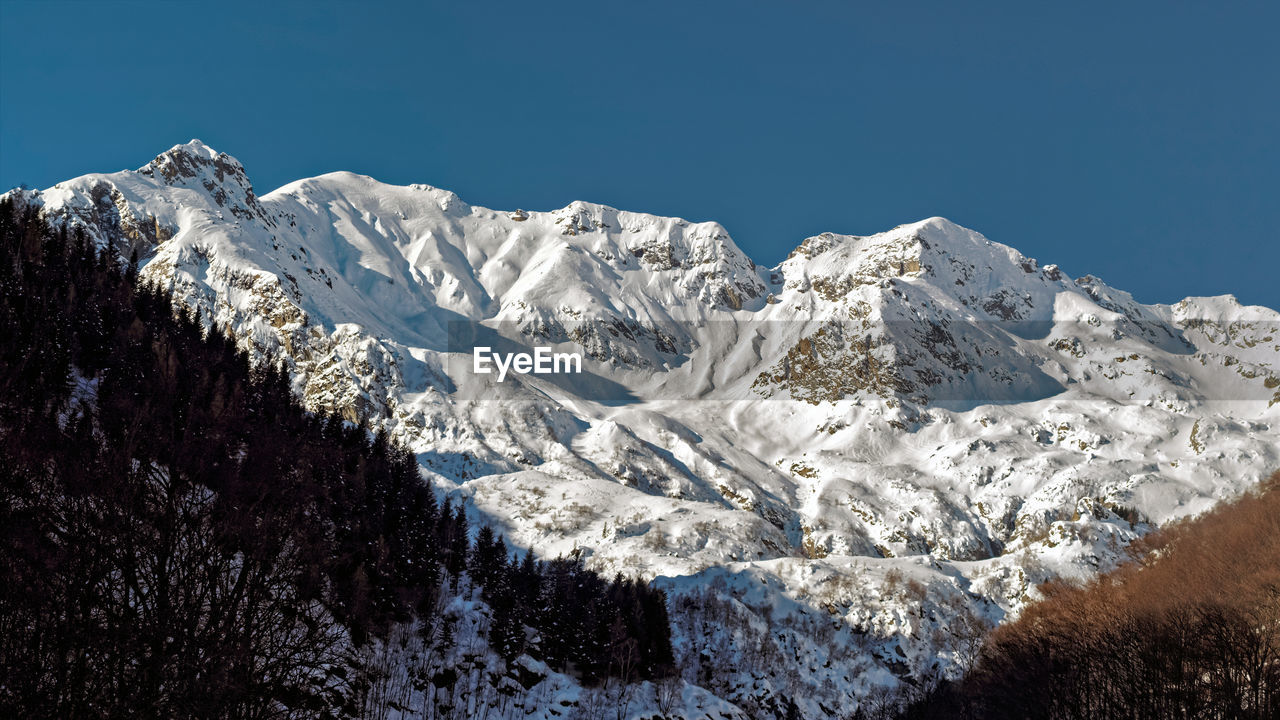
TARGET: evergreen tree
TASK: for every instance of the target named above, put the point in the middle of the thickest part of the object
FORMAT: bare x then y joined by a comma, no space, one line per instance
185,536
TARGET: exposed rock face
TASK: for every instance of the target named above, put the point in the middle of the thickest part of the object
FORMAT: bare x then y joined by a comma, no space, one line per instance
222,177
836,362
879,440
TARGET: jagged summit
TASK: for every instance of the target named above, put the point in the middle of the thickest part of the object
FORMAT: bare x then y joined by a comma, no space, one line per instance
710,264
931,263
192,148
915,248
193,159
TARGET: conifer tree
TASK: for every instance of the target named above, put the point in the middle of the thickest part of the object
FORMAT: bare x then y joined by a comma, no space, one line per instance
188,537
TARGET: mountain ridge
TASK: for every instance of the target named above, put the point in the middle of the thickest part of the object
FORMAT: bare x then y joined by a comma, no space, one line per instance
196,160
918,406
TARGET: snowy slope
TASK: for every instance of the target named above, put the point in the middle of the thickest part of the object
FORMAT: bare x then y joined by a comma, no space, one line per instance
852,460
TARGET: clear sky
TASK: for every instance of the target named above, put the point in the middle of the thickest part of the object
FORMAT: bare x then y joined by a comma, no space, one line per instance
1133,140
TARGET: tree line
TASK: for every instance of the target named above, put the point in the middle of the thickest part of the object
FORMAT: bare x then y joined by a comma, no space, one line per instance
1189,629
179,538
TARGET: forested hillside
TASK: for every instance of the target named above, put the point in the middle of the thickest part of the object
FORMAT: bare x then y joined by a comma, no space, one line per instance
1189,629
178,538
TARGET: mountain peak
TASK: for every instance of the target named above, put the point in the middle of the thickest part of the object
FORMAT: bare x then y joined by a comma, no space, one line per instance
195,145
186,159
194,164
937,223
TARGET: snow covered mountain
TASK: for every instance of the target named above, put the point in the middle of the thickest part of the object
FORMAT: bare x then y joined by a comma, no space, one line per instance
842,468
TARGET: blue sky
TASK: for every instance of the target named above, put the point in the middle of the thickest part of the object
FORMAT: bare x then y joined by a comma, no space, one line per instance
1136,141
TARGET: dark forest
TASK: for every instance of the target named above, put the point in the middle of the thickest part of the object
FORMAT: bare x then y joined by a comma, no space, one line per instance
179,538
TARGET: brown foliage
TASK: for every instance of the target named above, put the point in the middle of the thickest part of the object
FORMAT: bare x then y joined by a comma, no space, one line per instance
1189,629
